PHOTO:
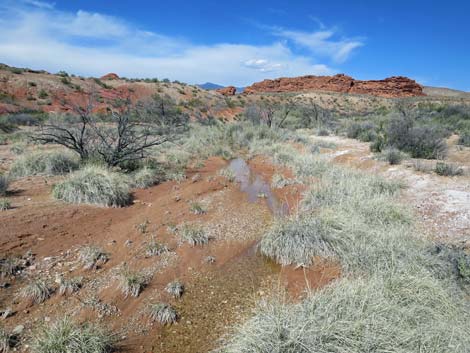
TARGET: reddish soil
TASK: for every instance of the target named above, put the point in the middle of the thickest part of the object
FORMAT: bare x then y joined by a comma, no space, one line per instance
218,294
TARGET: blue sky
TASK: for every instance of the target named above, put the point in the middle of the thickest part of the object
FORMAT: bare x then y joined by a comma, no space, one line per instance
240,42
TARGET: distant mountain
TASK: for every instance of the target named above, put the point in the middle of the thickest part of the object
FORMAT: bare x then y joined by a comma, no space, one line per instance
211,86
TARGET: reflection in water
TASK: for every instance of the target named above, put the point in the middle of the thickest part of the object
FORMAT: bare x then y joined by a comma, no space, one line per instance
255,187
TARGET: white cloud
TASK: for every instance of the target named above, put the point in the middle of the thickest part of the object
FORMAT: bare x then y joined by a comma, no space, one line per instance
322,42
94,44
40,4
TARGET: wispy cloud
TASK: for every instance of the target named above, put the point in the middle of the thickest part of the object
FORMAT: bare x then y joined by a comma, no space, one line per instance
323,42
37,35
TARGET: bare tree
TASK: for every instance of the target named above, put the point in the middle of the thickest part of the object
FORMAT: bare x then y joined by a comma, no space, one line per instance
122,139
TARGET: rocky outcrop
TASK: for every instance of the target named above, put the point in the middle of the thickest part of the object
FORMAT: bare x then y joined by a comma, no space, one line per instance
109,77
392,87
227,91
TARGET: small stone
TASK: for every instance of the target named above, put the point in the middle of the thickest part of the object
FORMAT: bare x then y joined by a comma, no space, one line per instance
18,330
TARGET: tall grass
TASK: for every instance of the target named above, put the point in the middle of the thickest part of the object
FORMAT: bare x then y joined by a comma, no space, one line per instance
44,163
64,336
94,185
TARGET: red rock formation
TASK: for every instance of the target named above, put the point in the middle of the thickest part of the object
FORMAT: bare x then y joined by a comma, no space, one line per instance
110,76
227,91
392,87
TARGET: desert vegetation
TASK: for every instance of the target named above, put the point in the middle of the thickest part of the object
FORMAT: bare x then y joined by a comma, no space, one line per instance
397,290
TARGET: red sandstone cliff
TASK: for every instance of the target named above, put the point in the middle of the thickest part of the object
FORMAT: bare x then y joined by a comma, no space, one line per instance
227,91
392,87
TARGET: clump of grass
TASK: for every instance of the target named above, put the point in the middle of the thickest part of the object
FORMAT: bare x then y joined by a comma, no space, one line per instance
69,286
44,163
36,292
323,132
279,182
175,289
5,339
18,148
447,169
94,185
145,177
64,336
193,235
4,204
393,156
132,283
197,208
154,248
92,257
378,314
143,227
162,313
9,266
3,185
298,240
228,173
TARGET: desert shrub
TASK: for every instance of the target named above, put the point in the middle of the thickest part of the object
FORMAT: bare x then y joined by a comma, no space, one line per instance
92,257
69,286
3,185
323,132
146,177
463,267
175,289
36,291
132,283
64,336
5,341
299,240
393,156
193,235
162,313
44,163
419,141
447,169
378,314
361,129
378,144
4,204
96,186
464,139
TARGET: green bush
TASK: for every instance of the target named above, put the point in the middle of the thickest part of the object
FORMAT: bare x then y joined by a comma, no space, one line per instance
64,336
464,139
44,163
393,156
96,186
419,141
365,131
447,169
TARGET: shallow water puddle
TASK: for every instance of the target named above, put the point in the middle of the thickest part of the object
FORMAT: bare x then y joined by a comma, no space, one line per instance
255,187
